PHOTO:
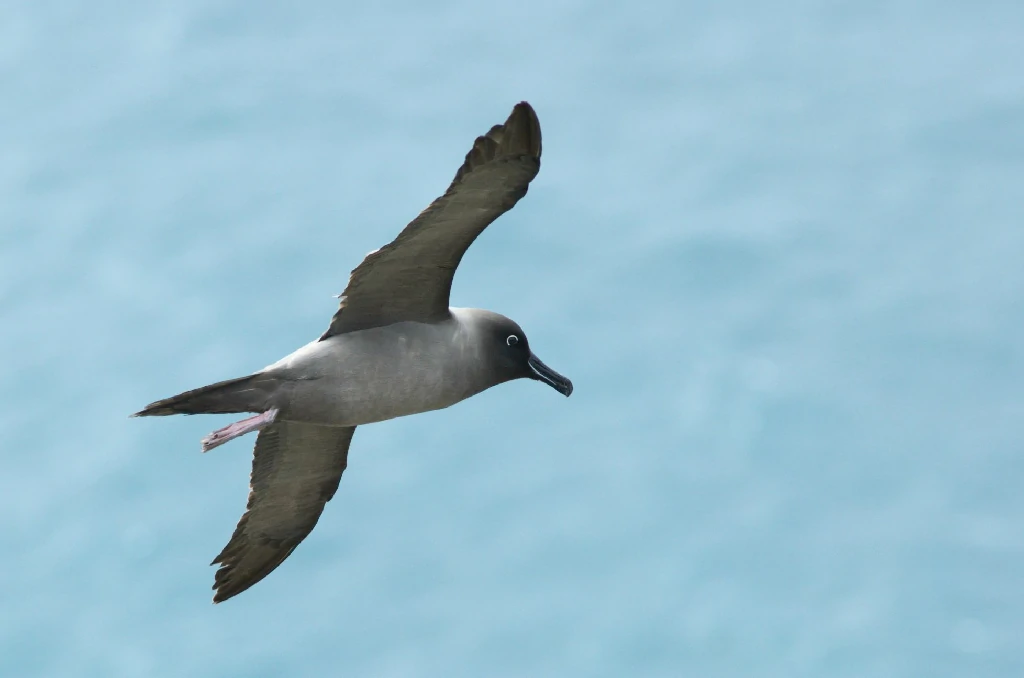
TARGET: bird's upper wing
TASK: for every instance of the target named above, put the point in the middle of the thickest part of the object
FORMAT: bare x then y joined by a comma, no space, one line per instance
410,278
296,469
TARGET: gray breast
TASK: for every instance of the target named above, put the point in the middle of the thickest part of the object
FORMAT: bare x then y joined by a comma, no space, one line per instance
381,373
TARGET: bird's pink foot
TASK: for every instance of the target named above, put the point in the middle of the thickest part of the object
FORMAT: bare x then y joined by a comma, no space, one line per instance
239,428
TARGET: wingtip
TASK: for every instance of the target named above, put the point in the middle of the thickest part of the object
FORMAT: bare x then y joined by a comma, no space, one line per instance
524,126
221,590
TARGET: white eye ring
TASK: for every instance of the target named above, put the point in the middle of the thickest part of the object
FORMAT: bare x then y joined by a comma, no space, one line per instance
512,340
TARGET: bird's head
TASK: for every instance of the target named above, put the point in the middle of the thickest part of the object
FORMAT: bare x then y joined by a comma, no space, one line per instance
508,353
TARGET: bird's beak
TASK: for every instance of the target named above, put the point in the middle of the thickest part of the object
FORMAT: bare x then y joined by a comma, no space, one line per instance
542,372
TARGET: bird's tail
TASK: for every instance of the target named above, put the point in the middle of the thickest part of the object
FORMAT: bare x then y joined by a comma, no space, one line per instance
244,394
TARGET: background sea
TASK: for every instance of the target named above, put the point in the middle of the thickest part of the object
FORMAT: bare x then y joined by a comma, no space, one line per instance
778,247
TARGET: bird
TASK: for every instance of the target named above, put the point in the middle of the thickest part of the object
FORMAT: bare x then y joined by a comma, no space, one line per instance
393,348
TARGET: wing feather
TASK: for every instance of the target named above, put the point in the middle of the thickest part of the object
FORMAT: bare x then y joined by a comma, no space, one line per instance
296,469
411,277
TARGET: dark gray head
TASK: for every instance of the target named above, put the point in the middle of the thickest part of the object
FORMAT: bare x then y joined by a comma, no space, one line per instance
510,355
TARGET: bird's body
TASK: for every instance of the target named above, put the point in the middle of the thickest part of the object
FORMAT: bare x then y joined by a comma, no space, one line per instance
394,348
381,373
338,382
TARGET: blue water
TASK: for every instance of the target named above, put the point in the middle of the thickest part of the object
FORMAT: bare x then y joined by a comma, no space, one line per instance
777,246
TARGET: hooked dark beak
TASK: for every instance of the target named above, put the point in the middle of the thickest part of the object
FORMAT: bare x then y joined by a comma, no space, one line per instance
542,372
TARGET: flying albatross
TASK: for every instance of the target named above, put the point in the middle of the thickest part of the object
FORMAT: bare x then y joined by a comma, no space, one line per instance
393,348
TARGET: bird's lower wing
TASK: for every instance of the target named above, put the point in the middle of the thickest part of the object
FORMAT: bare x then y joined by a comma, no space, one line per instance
296,469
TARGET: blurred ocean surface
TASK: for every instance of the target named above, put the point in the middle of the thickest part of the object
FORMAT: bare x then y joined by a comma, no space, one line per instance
778,248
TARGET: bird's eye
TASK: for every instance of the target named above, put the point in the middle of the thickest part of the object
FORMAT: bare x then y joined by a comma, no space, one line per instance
512,340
